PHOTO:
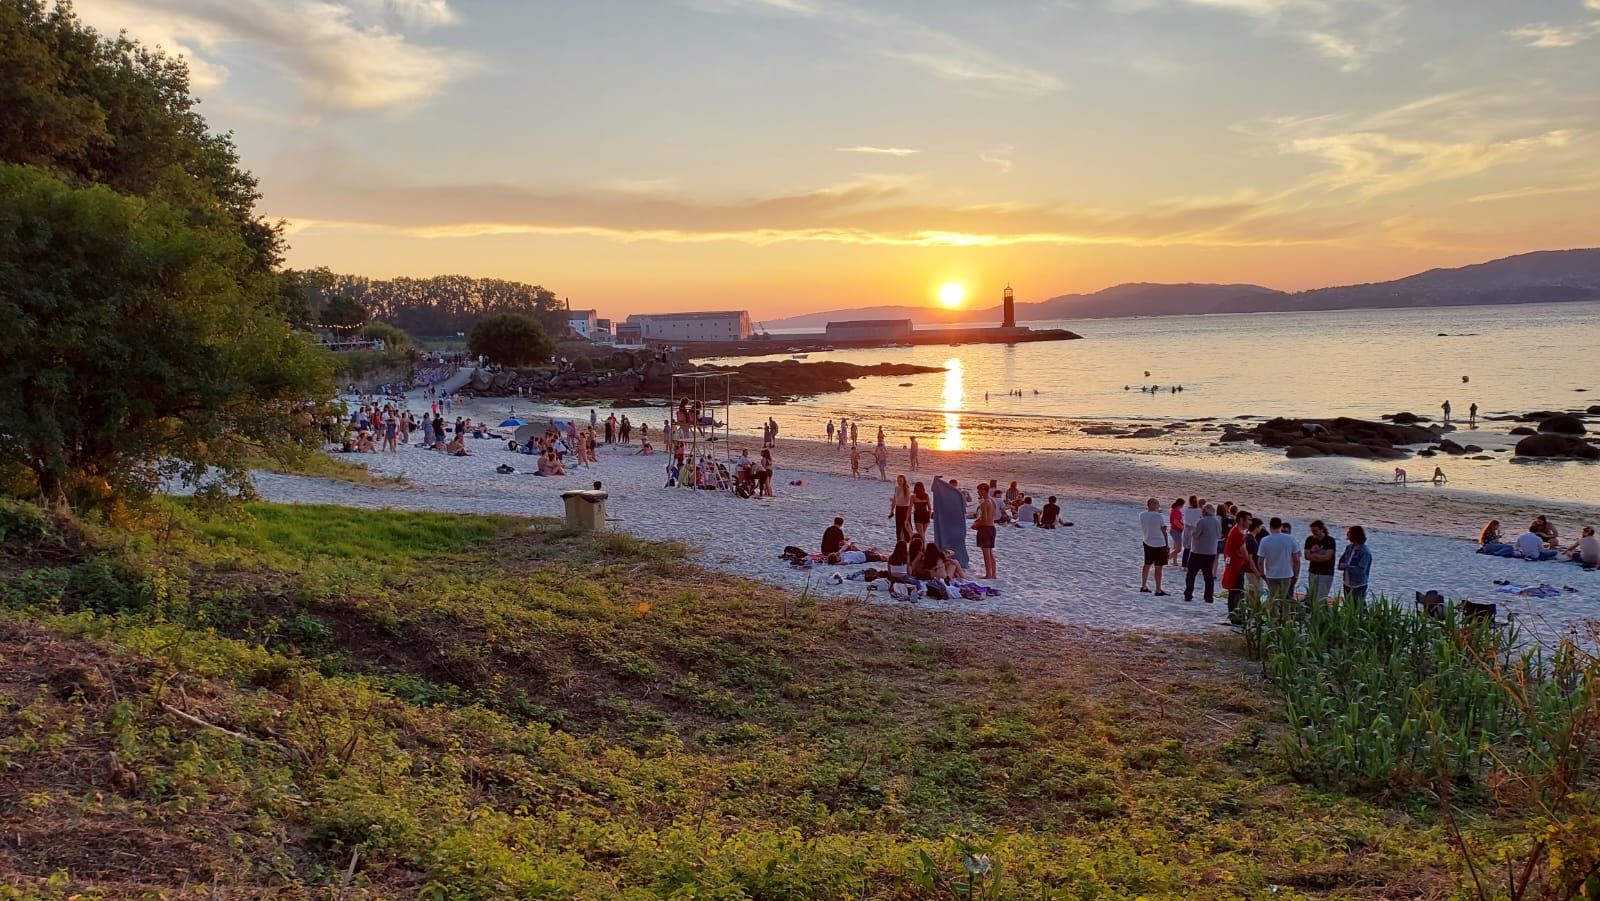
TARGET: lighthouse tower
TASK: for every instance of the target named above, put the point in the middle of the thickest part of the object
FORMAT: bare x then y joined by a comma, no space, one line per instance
1011,310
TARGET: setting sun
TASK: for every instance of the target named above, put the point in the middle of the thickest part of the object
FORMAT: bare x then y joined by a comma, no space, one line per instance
952,294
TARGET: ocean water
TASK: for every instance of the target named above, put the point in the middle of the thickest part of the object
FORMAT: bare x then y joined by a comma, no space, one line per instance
1507,360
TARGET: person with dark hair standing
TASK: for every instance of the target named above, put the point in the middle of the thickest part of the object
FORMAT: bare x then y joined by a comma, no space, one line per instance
1356,564
1203,537
1320,556
1241,559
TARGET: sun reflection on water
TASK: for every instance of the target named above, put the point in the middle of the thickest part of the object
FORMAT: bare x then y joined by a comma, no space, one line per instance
951,439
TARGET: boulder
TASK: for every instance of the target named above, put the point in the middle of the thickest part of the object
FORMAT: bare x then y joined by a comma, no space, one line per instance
1594,410
1430,452
1538,415
1562,424
1452,448
1405,418
1523,430
1473,449
1145,433
1554,445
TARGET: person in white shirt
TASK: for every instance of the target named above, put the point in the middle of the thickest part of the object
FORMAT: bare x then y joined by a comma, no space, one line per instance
1027,513
1280,560
1154,527
1530,546
1191,515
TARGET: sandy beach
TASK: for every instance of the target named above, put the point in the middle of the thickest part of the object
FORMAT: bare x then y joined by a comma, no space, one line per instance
1086,575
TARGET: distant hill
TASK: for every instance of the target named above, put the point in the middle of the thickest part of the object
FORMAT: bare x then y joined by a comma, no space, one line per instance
1547,276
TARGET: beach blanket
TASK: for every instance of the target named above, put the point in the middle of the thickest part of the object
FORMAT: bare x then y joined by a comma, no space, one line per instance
1531,591
950,520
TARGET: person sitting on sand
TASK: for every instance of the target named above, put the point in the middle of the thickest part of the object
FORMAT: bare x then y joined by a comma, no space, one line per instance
457,447
833,537
952,568
1027,514
646,449
1013,496
1545,530
1530,546
900,567
926,565
1586,550
1492,541
1050,515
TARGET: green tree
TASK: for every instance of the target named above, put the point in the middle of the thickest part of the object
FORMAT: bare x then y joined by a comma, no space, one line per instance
343,313
510,338
111,112
138,343
392,338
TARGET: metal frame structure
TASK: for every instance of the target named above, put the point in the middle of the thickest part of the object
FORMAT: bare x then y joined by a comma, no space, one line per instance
708,393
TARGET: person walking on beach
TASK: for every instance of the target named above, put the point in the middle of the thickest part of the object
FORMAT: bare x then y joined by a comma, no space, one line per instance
1472,416
984,525
1201,558
1175,531
880,458
1156,534
913,460
900,509
1356,564
1320,548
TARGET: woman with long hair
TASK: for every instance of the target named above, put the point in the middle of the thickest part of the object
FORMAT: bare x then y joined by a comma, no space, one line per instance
921,510
900,508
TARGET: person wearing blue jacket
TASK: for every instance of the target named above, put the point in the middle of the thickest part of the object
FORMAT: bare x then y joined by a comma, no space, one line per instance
1356,564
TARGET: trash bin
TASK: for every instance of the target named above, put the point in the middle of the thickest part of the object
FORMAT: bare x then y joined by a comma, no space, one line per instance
586,510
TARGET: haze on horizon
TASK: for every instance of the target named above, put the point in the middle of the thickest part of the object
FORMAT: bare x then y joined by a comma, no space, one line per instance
786,156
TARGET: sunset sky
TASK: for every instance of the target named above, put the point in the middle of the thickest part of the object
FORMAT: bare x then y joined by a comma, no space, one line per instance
785,156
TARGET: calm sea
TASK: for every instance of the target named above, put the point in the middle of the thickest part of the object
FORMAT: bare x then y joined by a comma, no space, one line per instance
1366,363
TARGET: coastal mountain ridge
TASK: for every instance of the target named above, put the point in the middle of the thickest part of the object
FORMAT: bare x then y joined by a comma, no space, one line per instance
1546,276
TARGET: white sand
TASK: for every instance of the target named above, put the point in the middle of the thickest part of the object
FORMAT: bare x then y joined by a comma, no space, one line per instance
1085,575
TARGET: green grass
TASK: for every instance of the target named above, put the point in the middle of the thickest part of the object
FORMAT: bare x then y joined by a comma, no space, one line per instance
472,708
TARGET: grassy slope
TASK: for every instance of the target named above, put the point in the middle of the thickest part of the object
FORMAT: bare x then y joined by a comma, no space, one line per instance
468,707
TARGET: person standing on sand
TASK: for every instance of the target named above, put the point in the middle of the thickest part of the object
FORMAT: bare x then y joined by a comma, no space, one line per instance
1280,562
1203,537
900,509
855,463
921,510
1175,531
1446,408
1356,564
913,460
984,525
880,434
1472,416
1191,515
1156,535
880,458
1240,559
1320,548
830,430
594,418
854,435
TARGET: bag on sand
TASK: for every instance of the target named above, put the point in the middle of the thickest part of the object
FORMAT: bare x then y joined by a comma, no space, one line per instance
505,469
937,590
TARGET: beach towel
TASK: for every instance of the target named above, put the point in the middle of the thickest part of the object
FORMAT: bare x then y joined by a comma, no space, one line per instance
950,520
1531,591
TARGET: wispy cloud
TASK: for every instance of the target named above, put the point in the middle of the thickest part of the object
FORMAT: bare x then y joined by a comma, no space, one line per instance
999,158
881,151
1347,33
1556,36
908,41
349,55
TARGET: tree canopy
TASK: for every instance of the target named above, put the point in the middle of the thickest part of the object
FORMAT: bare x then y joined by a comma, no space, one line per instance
510,338
441,305
343,313
136,339
146,324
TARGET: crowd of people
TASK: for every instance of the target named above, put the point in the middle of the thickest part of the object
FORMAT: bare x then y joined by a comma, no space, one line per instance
1248,554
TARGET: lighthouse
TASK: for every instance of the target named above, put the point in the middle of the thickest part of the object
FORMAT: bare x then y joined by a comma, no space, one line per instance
1011,310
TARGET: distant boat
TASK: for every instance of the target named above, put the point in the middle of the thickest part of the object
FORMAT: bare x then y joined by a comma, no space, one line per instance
798,356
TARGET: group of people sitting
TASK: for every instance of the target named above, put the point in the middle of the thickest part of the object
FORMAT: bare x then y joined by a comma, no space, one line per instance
552,448
920,565
1540,542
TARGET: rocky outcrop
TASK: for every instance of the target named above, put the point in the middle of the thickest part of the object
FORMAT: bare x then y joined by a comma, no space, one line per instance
1341,437
1562,424
1552,445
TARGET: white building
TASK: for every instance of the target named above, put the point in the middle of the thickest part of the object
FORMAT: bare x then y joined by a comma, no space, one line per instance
583,322
723,325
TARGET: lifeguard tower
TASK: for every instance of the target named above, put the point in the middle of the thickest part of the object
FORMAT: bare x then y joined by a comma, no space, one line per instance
701,404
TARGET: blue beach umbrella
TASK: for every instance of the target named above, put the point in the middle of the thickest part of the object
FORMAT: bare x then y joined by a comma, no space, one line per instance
513,421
